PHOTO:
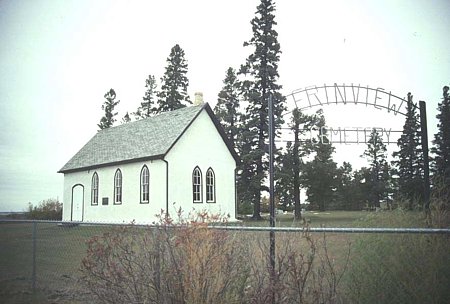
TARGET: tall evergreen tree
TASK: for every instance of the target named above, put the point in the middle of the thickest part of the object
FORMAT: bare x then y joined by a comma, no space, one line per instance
173,94
320,175
147,107
379,170
284,173
262,69
408,159
108,106
360,188
247,186
227,107
288,172
441,149
345,187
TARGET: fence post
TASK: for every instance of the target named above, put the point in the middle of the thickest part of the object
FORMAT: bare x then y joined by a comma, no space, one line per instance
426,165
271,195
33,274
158,261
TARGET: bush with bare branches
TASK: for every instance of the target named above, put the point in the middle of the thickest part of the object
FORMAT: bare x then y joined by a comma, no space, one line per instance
185,261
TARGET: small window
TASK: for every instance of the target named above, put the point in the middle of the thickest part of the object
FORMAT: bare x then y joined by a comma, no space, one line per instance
210,186
145,184
118,187
94,189
197,185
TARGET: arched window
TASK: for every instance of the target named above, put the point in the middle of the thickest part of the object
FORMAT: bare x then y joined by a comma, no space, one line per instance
118,187
197,185
94,189
145,182
210,186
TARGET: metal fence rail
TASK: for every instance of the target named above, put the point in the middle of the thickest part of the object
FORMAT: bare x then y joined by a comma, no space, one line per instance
260,229
39,255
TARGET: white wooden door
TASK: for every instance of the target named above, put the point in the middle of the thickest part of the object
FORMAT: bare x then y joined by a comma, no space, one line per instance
77,203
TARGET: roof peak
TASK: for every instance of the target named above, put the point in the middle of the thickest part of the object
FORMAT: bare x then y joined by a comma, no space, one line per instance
155,116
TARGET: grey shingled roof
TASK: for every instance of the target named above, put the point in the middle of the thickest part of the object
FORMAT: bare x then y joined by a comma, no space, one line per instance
149,138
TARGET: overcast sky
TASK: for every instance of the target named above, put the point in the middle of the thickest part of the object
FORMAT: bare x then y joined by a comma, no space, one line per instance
58,58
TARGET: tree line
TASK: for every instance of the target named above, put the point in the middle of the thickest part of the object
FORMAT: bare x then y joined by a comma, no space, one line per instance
242,109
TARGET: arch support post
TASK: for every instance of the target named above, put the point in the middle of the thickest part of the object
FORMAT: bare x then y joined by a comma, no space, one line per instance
271,195
426,161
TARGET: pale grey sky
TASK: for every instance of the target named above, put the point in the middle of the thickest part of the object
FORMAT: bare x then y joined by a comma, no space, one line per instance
58,58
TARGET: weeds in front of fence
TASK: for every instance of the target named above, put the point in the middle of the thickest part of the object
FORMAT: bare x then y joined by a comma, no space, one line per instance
400,268
194,264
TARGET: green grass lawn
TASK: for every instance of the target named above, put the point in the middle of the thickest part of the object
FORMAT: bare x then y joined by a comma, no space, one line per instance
313,218
58,256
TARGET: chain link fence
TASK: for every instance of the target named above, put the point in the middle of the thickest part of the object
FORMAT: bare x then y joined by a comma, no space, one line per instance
42,262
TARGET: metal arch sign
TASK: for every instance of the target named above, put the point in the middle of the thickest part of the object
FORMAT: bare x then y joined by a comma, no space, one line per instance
379,98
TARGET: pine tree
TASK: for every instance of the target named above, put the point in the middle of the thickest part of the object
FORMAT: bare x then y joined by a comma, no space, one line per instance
284,173
147,107
247,189
108,120
408,160
320,175
227,107
360,188
441,149
125,119
173,94
289,170
262,68
345,191
379,170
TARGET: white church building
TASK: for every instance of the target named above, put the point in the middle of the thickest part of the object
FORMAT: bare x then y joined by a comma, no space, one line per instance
134,171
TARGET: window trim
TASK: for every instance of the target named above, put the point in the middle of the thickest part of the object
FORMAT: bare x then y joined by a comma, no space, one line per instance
94,191
116,202
211,171
141,188
200,185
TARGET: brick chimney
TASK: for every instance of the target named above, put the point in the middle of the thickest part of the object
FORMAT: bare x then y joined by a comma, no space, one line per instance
198,99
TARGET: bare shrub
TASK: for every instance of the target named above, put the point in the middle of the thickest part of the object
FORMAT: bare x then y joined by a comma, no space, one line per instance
191,263
305,272
186,264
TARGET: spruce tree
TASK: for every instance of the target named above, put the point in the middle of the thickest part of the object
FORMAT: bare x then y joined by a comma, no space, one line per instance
345,187
262,69
108,106
441,149
147,107
284,173
247,189
174,83
289,169
408,159
125,119
227,107
320,175
378,182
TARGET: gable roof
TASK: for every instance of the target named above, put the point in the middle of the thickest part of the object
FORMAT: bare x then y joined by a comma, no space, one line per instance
145,139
